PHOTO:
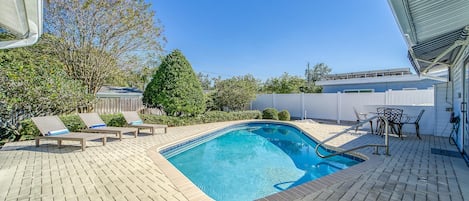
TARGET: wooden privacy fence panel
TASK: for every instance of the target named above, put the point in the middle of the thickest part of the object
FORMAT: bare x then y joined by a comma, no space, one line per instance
118,104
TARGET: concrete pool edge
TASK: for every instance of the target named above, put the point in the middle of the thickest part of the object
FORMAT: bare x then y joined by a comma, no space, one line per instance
192,192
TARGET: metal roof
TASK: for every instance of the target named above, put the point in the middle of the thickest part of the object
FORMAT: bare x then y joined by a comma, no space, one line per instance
113,91
435,30
365,74
440,76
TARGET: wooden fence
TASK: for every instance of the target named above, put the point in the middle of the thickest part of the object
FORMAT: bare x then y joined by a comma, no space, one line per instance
118,104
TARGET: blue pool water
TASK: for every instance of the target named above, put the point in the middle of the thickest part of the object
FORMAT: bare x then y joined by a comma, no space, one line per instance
251,161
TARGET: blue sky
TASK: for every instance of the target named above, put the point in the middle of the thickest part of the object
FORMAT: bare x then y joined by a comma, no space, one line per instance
268,37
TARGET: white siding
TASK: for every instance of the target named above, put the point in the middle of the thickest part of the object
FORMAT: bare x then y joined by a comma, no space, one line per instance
456,74
443,97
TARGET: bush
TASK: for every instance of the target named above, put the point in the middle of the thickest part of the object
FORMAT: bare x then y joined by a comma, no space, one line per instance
114,119
284,115
208,117
270,113
175,87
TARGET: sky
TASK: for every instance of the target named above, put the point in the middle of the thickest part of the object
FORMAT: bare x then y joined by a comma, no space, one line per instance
266,38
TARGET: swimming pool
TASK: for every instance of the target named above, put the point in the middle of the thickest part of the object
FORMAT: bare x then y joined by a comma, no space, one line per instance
253,160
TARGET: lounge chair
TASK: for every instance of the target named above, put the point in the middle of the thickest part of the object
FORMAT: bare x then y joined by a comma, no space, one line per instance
133,120
360,118
52,128
95,124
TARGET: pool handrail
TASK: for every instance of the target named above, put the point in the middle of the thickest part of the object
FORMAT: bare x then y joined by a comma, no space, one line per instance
386,139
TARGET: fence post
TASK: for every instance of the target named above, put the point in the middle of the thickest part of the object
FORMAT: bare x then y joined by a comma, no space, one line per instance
302,101
274,101
388,97
339,106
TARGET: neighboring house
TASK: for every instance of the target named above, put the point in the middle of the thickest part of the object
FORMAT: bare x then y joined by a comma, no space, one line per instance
111,99
113,91
378,81
437,36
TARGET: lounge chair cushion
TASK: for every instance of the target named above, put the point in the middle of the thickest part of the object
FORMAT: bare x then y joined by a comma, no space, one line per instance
58,132
98,126
138,122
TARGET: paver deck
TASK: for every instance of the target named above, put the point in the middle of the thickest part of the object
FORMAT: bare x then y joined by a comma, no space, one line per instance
123,170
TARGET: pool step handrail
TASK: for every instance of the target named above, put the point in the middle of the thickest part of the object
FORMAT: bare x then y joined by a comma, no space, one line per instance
386,139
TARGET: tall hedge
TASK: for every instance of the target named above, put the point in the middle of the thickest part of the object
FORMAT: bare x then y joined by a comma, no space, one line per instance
175,87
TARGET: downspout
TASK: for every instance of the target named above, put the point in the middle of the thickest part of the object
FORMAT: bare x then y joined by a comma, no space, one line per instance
464,106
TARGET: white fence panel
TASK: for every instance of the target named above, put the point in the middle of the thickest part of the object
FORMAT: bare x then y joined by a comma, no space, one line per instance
262,101
321,106
339,106
411,97
290,102
359,101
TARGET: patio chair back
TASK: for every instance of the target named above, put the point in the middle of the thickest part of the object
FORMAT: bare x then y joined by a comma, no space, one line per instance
90,119
48,123
393,115
356,113
420,116
131,116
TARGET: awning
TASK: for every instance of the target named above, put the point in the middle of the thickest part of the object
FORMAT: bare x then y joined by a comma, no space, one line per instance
436,31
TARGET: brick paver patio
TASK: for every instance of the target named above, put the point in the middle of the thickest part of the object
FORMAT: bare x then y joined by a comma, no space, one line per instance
123,170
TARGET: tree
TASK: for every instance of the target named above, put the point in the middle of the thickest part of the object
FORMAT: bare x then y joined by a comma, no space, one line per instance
95,37
129,77
284,84
175,87
236,93
35,84
205,81
318,72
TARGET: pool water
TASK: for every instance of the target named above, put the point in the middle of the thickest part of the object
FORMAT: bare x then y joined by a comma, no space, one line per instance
251,161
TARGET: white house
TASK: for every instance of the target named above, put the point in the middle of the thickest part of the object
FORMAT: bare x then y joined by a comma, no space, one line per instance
436,33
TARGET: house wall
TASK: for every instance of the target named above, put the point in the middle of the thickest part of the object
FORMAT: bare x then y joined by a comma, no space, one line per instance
457,98
381,87
443,109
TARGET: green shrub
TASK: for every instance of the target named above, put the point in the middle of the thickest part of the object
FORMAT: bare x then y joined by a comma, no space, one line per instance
175,87
28,129
73,122
114,119
270,113
208,117
284,115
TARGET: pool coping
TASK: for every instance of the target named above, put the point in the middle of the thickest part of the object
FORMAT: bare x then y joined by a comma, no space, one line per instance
192,192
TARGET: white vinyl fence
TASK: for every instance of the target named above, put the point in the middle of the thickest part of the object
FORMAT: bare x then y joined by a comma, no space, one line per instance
339,106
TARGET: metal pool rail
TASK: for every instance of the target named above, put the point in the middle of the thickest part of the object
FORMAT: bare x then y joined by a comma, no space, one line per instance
386,139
